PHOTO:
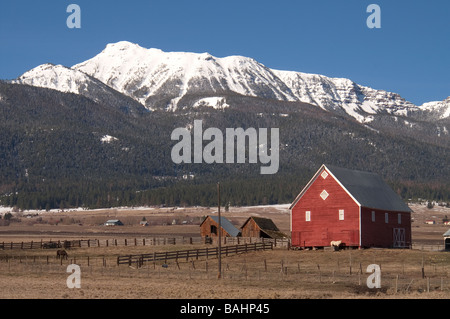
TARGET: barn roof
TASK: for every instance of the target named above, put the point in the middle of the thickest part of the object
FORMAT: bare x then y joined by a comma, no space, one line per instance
367,189
226,225
447,233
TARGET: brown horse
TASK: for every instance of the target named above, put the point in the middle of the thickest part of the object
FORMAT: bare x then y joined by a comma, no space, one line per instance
62,254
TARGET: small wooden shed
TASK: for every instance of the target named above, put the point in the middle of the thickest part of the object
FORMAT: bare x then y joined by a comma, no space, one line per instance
261,227
210,227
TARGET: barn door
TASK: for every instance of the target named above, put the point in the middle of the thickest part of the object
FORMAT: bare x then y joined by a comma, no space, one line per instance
399,238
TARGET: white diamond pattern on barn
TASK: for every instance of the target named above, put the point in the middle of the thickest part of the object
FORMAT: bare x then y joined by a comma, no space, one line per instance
324,174
324,194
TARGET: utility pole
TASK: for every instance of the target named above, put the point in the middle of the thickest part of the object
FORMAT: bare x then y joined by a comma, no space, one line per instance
220,232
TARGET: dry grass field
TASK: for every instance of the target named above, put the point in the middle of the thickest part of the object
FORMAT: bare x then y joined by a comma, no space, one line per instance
275,274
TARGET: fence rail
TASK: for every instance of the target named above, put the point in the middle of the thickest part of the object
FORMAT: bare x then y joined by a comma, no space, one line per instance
192,253
156,241
148,241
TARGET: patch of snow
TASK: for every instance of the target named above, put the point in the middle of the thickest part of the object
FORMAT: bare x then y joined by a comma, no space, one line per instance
108,139
214,102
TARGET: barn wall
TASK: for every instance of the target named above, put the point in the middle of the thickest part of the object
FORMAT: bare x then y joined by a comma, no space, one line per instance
378,233
325,225
205,229
251,229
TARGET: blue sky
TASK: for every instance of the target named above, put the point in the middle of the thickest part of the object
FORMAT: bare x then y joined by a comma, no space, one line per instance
409,55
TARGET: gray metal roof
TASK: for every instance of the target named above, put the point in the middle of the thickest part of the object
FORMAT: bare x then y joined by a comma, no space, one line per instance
368,189
447,233
227,225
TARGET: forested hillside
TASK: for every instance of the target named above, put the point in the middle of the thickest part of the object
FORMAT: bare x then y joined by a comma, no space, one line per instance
61,150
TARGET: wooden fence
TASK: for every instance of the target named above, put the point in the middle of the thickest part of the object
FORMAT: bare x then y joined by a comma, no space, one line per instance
192,253
152,241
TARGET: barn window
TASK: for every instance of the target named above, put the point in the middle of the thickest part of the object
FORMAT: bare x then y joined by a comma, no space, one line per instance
324,194
308,216
373,216
399,219
324,174
341,214
386,218
214,229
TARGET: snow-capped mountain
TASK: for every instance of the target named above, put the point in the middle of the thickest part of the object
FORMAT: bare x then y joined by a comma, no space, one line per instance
69,80
148,73
59,78
160,80
441,109
344,95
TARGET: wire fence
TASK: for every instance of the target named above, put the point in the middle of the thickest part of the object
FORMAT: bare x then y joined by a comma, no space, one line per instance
342,274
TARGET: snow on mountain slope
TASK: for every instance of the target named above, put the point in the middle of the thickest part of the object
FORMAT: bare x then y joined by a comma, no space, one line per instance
344,95
56,77
440,108
63,79
143,73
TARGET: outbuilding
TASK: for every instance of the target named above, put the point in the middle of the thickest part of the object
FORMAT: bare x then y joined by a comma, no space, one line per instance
355,208
210,227
261,228
113,222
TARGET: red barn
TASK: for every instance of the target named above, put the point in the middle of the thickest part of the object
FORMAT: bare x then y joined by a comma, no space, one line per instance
355,207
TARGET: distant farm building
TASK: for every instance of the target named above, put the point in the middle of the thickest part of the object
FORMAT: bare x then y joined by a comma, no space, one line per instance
430,222
261,228
447,240
210,227
353,207
113,222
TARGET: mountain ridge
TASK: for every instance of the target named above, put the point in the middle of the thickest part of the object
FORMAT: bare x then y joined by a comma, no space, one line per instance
160,80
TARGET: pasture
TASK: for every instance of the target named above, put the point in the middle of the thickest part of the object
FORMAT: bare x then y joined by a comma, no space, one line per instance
275,273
